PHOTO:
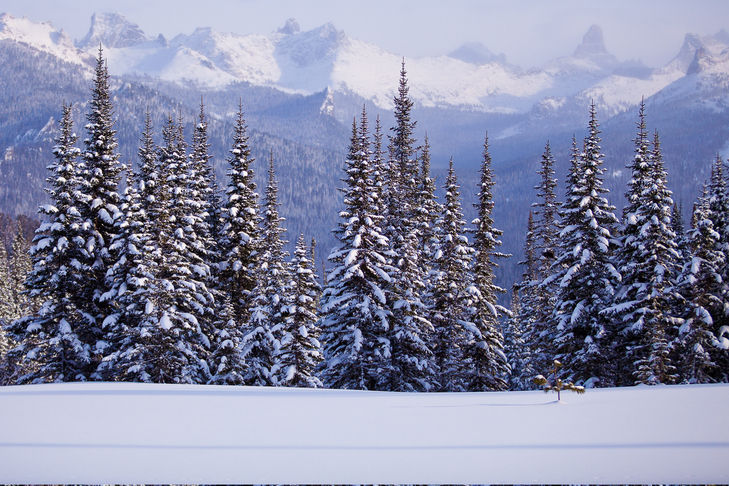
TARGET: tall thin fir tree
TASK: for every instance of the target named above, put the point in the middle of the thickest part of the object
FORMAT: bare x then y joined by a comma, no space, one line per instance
101,177
54,344
705,291
520,332
517,353
454,294
486,351
541,298
412,367
270,296
240,237
679,228
719,214
648,263
525,290
427,208
655,271
300,352
132,279
202,187
20,268
584,270
6,298
355,315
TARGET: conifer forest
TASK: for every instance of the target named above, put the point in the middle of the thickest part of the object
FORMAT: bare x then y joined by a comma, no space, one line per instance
154,271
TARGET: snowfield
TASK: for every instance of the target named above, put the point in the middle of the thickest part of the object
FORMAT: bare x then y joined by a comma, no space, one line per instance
141,433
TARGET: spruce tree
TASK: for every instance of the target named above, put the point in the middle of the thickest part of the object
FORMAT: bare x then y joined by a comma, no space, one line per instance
489,366
648,263
356,316
20,267
583,268
55,343
239,239
540,291
201,188
515,347
270,295
101,177
679,229
6,295
168,344
719,214
132,281
300,352
520,332
661,262
427,208
411,367
454,295
705,291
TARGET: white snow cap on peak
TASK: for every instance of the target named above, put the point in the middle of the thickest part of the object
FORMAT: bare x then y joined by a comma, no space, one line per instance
113,30
291,27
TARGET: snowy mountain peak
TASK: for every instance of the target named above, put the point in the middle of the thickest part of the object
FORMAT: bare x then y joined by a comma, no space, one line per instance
113,30
476,53
307,48
593,44
590,56
291,27
691,44
40,35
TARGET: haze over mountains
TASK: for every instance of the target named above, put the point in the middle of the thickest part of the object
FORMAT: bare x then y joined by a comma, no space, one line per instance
470,78
300,90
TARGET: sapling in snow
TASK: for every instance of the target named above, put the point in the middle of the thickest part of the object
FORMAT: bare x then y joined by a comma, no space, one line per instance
558,384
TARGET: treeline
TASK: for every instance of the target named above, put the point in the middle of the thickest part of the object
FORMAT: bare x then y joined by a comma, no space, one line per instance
629,301
177,281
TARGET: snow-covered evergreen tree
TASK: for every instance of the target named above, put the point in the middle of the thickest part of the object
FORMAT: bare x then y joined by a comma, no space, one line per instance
705,290
239,239
6,294
20,267
101,177
648,263
539,299
583,268
270,295
411,366
454,294
520,330
719,214
167,344
488,361
201,188
55,344
515,347
679,229
355,312
428,209
300,352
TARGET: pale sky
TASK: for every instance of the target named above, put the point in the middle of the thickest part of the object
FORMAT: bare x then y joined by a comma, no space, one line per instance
528,32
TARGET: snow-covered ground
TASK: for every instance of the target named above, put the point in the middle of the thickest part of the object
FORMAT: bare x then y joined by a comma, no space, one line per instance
136,433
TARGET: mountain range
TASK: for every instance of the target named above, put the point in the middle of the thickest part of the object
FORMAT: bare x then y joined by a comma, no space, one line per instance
470,78
300,90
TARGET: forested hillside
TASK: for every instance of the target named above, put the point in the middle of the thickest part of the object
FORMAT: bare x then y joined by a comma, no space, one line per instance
160,271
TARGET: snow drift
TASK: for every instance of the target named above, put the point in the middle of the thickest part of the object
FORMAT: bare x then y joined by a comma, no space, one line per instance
136,433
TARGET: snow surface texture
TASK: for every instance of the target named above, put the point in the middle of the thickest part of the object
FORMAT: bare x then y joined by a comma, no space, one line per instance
111,433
